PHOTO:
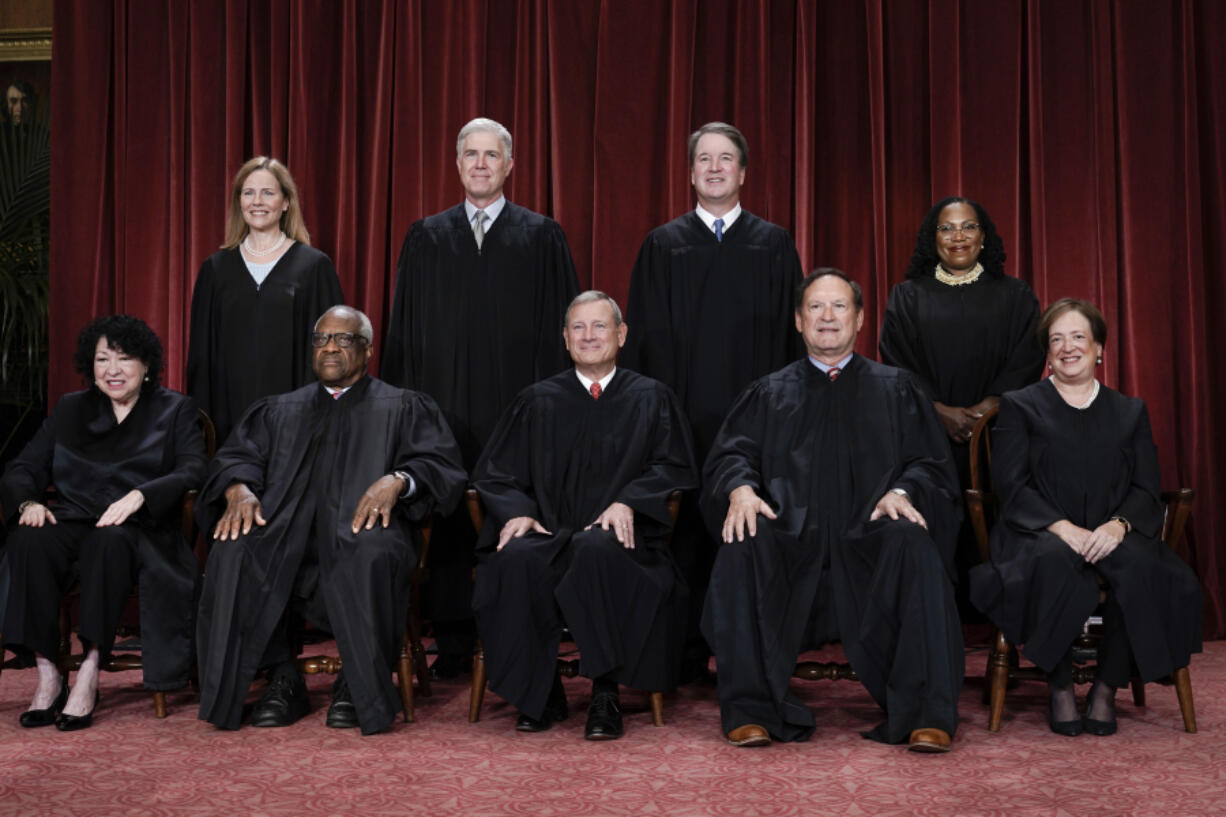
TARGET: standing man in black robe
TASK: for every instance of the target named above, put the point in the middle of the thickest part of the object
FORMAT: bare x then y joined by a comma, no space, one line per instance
576,480
318,491
711,300
478,291
832,489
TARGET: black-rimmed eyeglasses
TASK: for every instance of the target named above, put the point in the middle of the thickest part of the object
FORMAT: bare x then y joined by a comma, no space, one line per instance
343,339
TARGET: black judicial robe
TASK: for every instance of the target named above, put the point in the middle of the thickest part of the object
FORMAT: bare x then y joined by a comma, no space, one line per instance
309,458
963,343
93,461
1052,461
708,317
472,327
562,458
823,454
250,341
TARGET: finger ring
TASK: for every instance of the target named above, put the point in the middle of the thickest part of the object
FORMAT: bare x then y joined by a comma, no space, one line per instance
377,510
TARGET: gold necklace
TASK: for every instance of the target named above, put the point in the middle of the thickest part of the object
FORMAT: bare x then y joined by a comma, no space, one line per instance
958,280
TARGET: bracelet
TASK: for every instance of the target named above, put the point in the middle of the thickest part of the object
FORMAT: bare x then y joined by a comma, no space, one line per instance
1127,525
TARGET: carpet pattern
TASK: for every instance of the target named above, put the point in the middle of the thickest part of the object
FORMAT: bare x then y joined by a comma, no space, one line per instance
130,763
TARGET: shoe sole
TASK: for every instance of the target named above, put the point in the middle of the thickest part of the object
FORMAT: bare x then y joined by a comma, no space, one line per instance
925,747
751,743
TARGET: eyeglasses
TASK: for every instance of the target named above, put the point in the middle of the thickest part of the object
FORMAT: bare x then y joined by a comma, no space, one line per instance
948,230
343,339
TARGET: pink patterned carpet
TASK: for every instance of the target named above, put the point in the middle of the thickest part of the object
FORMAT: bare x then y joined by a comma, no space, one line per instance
129,763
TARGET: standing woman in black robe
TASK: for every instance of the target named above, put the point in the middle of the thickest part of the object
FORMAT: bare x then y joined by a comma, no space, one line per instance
257,299
1076,471
121,455
964,329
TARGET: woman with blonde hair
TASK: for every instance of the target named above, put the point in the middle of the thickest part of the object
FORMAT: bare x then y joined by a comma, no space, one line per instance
256,300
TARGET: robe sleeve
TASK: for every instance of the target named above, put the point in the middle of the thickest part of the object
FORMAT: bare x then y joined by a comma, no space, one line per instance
200,339
503,475
649,343
1021,503
900,339
1142,505
428,451
559,284
670,467
164,494
735,458
396,366
1025,361
29,473
243,458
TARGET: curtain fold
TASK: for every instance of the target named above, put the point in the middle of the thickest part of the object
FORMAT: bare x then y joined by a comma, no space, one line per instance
1090,130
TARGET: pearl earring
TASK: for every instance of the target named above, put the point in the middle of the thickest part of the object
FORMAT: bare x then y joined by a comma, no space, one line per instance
1100,362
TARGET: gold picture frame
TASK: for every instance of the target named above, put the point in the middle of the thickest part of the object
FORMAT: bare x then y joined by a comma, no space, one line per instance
25,45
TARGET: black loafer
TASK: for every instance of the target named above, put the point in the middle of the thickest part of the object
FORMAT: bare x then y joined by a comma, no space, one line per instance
32,718
282,704
342,714
604,717
71,723
555,710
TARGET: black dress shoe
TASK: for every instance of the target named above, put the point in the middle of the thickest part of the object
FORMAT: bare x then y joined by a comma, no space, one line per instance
555,710
450,665
45,717
604,717
71,723
283,703
342,714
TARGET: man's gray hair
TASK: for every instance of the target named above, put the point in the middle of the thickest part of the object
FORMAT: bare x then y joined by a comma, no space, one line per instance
587,298
364,327
481,124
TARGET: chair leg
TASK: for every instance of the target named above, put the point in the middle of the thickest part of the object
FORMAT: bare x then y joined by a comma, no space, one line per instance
1183,688
417,653
404,674
1138,692
999,661
478,687
657,708
159,704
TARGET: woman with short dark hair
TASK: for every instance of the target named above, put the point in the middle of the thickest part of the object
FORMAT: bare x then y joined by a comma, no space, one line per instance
1076,471
121,454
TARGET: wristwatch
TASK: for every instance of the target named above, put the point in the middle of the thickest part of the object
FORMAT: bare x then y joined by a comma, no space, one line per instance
901,493
408,481
1127,525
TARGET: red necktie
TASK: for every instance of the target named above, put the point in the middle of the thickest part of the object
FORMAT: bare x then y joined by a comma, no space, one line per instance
336,395
595,390
833,374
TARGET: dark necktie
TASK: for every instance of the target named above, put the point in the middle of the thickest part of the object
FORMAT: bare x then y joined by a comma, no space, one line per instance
595,390
833,374
719,229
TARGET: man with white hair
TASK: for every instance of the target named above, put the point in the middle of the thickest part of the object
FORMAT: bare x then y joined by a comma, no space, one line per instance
479,288
312,504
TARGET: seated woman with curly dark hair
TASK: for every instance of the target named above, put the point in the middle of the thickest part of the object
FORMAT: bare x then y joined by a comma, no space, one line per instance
120,454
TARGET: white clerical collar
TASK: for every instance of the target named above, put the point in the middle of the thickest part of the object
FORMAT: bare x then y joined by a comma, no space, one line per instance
604,381
492,210
826,367
728,217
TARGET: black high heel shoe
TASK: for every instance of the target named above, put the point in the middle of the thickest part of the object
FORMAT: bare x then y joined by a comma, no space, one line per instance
1070,729
1095,727
32,718
71,723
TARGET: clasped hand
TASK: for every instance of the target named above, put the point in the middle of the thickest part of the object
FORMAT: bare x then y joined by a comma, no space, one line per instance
1091,545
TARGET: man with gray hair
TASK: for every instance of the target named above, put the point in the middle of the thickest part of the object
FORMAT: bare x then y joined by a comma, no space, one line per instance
478,291
575,481
312,504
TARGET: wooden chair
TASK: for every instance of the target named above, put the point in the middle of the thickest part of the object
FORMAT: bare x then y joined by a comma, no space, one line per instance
412,653
567,668
983,507
123,659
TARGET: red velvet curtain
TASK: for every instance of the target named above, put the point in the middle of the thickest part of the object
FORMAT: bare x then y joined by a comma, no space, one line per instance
1093,131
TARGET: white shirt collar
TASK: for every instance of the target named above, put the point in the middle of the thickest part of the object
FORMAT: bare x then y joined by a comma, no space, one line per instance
604,381
728,217
825,367
492,211
335,392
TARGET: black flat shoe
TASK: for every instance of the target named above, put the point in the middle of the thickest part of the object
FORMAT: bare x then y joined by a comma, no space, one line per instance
32,718
342,714
555,710
604,717
282,704
71,723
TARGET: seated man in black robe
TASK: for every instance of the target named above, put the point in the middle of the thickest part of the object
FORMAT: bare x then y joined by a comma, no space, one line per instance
576,479
318,491
832,490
